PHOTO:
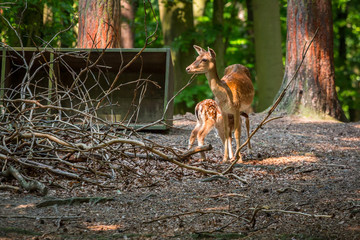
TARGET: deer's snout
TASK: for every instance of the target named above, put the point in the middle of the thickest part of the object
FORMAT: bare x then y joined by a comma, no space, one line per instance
188,69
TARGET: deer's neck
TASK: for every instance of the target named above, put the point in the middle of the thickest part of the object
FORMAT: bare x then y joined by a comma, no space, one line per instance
216,85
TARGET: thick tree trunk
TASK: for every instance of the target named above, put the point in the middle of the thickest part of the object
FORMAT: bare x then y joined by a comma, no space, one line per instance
99,24
268,53
313,91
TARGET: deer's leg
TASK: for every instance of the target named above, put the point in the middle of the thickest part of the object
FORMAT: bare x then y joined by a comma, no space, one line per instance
193,135
203,132
237,129
227,140
221,132
247,122
231,154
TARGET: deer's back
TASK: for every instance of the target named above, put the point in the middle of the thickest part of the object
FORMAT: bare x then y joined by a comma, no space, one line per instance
237,78
207,110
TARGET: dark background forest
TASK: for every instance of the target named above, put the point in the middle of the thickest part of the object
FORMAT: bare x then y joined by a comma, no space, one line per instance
233,22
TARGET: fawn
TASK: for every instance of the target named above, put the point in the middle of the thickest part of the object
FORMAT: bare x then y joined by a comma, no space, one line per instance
208,116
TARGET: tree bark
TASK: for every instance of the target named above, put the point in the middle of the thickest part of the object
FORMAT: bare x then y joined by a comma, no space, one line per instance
268,52
99,24
219,45
313,91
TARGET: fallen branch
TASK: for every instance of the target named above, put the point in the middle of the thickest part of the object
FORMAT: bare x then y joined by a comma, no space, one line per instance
238,178
40,217
52,169
266,209
214,178
74,200
194,150
9,187
183,156
32,185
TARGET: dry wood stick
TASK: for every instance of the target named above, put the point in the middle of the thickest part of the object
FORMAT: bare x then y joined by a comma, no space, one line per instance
40,217
74,200
32,185
50,168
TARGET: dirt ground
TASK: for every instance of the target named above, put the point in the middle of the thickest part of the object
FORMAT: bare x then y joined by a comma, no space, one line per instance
300,181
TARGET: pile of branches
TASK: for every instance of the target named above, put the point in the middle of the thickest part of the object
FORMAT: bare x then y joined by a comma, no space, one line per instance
56,132
50,128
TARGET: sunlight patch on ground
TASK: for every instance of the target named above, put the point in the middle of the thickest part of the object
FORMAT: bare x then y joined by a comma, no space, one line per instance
340,149
104,227
289,159
30,205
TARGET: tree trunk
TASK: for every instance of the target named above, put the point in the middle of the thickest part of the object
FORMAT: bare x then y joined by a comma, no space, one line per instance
127,18
313,91
198,9
99,24
218,26
268,53
177,19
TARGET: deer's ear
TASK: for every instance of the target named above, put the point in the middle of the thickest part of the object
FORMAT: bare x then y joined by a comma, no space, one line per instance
212,52
199,50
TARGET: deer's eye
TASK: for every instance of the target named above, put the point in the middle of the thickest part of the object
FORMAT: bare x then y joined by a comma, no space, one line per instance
204,60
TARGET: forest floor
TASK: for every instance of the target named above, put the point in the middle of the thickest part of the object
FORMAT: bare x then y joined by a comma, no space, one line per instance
300,181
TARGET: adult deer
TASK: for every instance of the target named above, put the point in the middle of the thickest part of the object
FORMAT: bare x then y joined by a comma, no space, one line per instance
234,93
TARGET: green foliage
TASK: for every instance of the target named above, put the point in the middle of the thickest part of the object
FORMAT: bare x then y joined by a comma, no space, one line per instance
151,23
346,54
195,93
26,17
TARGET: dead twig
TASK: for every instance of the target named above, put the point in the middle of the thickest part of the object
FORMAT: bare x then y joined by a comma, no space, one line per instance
267,209
41,217
195,150
9,187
